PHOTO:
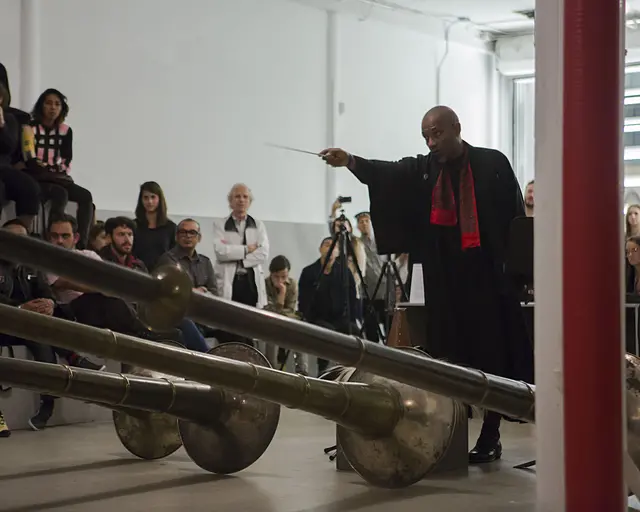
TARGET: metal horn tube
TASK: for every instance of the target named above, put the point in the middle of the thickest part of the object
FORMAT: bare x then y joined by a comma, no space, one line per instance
168,294
221,431
394,434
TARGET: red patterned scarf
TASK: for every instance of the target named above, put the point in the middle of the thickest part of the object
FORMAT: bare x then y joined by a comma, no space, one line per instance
445,213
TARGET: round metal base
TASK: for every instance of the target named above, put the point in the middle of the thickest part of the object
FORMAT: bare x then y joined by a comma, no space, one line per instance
148,435
419,441
243,432
167,311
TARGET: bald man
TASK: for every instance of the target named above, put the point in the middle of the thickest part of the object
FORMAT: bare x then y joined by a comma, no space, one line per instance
451,210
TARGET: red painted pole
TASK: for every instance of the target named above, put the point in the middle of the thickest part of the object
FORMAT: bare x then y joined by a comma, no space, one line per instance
592,298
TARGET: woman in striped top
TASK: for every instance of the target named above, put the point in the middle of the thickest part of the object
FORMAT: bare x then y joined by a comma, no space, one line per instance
51,165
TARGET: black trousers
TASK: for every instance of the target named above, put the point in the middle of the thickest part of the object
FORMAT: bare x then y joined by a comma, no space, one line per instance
104,312
22,189
244,291
490,432
60,193
341,326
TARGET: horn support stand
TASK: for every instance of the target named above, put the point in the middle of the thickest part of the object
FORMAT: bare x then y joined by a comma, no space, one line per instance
221,431
392,434
167,295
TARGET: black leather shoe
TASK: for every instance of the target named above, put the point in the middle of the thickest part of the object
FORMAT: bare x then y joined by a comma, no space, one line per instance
482,455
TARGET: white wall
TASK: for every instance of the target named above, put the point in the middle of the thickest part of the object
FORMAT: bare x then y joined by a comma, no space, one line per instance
10,44
188,94
388,82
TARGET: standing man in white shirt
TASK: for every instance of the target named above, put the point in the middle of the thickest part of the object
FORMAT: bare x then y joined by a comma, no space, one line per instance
242,247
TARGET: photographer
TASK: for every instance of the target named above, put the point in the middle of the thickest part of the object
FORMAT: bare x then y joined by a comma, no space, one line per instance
322,295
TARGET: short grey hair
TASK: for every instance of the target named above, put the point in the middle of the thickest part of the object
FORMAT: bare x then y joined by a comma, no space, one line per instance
238,185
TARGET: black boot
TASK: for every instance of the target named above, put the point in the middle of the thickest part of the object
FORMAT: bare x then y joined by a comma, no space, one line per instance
39,421
488,447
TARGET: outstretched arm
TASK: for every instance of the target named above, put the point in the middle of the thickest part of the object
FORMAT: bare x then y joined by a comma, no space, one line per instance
396,195
369,171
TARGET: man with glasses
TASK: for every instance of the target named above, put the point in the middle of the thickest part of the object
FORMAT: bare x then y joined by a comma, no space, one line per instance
200,270
198,266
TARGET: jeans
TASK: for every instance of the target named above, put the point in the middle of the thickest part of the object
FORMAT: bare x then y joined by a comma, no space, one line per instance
192,337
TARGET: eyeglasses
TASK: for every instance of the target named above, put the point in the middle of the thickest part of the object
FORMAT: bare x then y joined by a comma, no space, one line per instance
188,232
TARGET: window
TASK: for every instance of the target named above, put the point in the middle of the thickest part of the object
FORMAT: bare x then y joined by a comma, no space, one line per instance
524,127
524,96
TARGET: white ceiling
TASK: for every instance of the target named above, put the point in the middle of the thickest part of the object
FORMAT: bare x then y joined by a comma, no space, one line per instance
497,16
480,15
482,12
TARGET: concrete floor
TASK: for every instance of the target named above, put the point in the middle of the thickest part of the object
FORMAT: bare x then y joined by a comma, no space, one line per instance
84,468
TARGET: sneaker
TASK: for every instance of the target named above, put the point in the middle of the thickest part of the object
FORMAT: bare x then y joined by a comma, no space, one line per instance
4,428
39,421
83,362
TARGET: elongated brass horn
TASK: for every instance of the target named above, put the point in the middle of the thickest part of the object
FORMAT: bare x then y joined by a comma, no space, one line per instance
392,434
168,295
221,431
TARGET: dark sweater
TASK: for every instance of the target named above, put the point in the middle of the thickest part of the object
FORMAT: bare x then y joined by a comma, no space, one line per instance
150,244
326,304
9,139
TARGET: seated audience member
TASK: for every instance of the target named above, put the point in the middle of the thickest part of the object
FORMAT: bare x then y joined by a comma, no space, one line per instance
155,233
282,298
322,295
200,270
51,167
198,266
15,185
633,265
97,237
86,305
25,133
21,116
120,231
28,290
242,247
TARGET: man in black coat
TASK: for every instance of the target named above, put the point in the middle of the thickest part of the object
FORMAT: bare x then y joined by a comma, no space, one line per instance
452,210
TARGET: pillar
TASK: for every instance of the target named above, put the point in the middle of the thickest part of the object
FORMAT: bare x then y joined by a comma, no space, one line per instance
579,352
29,53
548,256
331,186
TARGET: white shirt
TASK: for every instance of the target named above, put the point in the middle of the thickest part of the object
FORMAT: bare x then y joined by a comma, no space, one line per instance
66,296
